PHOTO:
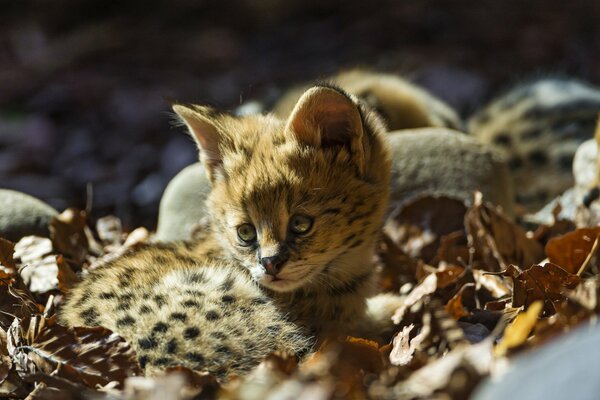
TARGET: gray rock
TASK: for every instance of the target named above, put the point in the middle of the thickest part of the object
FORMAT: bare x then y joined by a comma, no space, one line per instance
566,368
23,215
433,161
438,161
182,204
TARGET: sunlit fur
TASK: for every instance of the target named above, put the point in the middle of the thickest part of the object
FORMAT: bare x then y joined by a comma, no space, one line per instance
328,161
267,175
401,104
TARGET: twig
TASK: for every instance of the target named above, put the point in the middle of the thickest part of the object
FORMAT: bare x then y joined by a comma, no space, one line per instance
588,259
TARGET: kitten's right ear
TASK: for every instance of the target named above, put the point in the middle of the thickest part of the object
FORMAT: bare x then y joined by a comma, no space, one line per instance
202,126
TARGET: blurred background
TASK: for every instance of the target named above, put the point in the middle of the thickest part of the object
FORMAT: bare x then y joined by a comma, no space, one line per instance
85,85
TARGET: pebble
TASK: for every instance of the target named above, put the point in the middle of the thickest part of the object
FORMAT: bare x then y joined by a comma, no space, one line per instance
23,215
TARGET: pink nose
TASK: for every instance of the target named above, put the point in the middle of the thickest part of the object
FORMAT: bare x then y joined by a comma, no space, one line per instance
273,264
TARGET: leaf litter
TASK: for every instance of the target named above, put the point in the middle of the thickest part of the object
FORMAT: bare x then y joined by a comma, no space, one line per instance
477,287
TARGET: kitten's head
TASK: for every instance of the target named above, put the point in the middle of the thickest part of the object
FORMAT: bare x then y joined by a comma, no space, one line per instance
297,202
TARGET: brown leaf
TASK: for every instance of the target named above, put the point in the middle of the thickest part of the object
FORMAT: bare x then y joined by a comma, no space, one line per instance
15,303
455,307
395,268
547,283
67,231
418,226
571,249
66,277
499,241
95,356
7,263
453,249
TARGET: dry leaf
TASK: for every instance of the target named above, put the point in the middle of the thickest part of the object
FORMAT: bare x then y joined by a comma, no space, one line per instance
570,250
547,283
418,226
518,331
499,241
67,231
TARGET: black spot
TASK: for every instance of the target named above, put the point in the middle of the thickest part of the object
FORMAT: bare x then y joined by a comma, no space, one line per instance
197,278
531,133
538,157
160,327
107,295
566,161
147,343
334,211
274,329
592,195
348,239
194,357
257,301
503,139
160,300
145,309
171,346
228,284
223,349
212,315
162,361
191,303
357,243
125,321
515,162
143,360
179,316
160,259
228,299
219,335
191,332
193,292
89,316
123,306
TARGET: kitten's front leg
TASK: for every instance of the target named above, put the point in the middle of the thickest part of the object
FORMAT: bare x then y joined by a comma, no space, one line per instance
377,324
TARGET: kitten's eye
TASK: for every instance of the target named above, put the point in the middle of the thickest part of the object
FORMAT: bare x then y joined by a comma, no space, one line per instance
246,233
300,224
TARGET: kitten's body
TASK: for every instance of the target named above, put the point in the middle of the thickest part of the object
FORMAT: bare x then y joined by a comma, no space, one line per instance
538,126
402,104
295,207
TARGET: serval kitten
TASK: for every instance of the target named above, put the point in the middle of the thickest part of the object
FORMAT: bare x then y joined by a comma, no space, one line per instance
296,206
538,126
401,103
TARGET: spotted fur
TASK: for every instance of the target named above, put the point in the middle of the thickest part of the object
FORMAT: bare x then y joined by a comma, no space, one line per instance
217,304
401,104
539,126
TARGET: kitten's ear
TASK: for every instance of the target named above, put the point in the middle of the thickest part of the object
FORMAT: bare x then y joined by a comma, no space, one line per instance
201,125
325,117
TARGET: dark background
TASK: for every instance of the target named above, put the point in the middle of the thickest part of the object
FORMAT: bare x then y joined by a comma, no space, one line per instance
84,84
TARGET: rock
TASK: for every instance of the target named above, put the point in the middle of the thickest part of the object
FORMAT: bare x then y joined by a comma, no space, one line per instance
571,201
567,368
23,215
434,161
438,161
182,205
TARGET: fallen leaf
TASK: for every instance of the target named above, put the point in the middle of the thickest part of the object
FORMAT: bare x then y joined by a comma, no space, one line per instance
418,226
518,331
455,307
67,231
499,241
570,250
547,283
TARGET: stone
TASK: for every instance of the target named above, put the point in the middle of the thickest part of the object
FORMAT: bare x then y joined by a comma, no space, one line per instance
427,161
182,205
23,215
443,162
566,368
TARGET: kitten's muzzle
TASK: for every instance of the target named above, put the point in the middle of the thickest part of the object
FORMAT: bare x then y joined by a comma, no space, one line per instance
274,264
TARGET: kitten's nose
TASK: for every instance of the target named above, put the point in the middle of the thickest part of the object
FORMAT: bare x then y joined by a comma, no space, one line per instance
273,264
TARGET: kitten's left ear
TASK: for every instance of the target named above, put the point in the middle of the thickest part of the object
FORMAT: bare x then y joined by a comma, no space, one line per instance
202,125
325,117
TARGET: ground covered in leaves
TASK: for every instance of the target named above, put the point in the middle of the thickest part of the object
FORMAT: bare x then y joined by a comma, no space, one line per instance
478,290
